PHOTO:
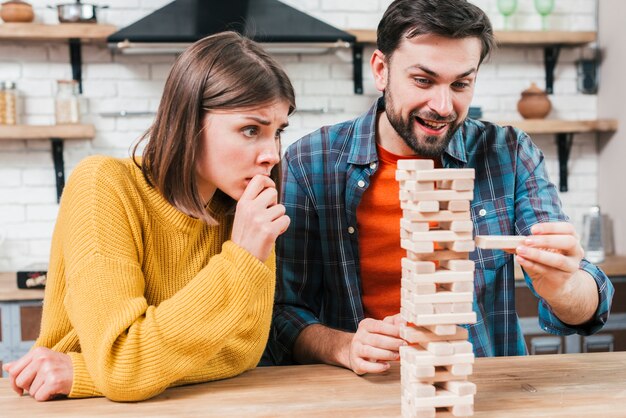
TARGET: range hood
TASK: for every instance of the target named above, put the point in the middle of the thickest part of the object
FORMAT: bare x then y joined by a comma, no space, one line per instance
182,22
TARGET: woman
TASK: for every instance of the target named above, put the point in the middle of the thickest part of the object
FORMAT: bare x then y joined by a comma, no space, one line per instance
162,269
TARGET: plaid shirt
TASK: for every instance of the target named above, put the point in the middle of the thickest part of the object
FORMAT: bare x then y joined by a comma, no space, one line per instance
325,174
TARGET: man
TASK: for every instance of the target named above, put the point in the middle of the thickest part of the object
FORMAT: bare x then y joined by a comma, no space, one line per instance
338,290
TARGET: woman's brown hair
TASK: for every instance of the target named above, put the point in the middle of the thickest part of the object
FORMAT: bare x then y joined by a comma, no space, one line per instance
222,71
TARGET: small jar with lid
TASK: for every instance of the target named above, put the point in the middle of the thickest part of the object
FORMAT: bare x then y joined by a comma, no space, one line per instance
11,98
66,103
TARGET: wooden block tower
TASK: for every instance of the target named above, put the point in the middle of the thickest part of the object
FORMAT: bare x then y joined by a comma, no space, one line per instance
437,289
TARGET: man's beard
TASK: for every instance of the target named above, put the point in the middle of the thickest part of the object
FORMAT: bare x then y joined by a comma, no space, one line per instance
430,146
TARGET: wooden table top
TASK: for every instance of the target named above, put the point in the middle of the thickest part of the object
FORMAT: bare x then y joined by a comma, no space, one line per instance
563,385
10,293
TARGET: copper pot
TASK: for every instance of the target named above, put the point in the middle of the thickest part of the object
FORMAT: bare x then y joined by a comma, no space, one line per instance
16,11
534,103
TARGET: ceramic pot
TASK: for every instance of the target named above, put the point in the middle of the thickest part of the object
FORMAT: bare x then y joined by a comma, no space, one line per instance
16,11
534,103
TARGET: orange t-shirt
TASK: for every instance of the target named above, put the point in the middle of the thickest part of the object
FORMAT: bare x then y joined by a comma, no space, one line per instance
378,220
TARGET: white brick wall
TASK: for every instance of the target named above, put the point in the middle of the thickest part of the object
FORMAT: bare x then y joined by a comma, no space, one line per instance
134,83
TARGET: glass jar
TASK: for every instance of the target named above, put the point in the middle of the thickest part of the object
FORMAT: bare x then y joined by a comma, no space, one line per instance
66,103
10,103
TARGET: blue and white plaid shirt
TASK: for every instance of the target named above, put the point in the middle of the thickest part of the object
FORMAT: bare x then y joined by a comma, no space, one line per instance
325,174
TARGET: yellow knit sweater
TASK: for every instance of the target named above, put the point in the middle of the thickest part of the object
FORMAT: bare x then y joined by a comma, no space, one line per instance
143,297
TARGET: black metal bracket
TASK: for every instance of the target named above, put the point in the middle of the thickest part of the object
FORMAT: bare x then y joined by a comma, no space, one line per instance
564,145
357,64
550,58
76,62
59,166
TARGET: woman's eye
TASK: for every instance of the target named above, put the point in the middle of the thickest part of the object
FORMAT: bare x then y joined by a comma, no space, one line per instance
250,131
279,133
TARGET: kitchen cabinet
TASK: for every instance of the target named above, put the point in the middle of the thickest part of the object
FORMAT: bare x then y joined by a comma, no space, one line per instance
615,329
20,317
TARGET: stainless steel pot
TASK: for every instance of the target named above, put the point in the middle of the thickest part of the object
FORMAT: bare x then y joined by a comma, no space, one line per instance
77,12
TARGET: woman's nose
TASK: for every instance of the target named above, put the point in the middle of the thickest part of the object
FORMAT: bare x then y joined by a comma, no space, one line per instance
270,155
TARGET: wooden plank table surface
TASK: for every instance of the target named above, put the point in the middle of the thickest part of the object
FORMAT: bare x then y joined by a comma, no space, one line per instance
563,385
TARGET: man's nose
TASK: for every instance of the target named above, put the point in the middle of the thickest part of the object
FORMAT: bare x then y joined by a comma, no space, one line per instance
441,101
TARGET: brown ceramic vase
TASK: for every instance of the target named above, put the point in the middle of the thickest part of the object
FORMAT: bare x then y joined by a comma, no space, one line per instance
534,103
16,11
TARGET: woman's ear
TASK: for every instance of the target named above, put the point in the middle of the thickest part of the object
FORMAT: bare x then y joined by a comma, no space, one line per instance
378,63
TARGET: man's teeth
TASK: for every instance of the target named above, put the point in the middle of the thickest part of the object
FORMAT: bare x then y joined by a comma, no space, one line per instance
433,125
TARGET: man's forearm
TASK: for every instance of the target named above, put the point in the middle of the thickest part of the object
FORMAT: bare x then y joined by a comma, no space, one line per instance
320,344
579,300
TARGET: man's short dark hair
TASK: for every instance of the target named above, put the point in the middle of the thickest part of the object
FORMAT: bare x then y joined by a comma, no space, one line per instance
448,18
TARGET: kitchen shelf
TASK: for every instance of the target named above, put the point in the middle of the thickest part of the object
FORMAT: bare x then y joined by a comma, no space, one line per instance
613,266
47,131
510,38
88,32
56,134
556,126
551,41
564,131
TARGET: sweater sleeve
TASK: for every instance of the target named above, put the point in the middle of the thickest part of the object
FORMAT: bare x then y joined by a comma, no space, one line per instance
214,327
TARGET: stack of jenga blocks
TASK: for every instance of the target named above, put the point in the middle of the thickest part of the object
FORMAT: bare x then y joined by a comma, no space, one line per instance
437,289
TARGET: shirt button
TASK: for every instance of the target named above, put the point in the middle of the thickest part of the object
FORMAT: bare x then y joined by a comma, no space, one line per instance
361,183
350,230
482,212
373,166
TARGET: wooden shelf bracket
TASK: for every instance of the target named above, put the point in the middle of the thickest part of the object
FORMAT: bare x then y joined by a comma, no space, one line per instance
59,166
564,145
76,62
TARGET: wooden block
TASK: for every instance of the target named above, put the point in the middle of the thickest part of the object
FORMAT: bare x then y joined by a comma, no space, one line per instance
418,356
461,307
445,319
419,289
416,164
443,399
443,276
446,329
419,334
462,410
457,226
458,287
457,184
417,247
438,348
458,265
417,186
459,387
443,308
414,226
436,255
492,242
462,346
461,246
422,373
438,195
444,296
425,206
441,236
460,369
419,267
445,174
456,206
404,175
419,390
441,216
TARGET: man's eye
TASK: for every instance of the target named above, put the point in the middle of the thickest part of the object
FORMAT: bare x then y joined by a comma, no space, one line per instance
422,81
461,86
250,131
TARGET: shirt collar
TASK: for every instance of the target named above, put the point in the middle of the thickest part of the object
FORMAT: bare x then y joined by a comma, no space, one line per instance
363,150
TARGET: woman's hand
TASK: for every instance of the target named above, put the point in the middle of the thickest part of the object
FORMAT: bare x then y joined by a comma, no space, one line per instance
259,219
43,373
